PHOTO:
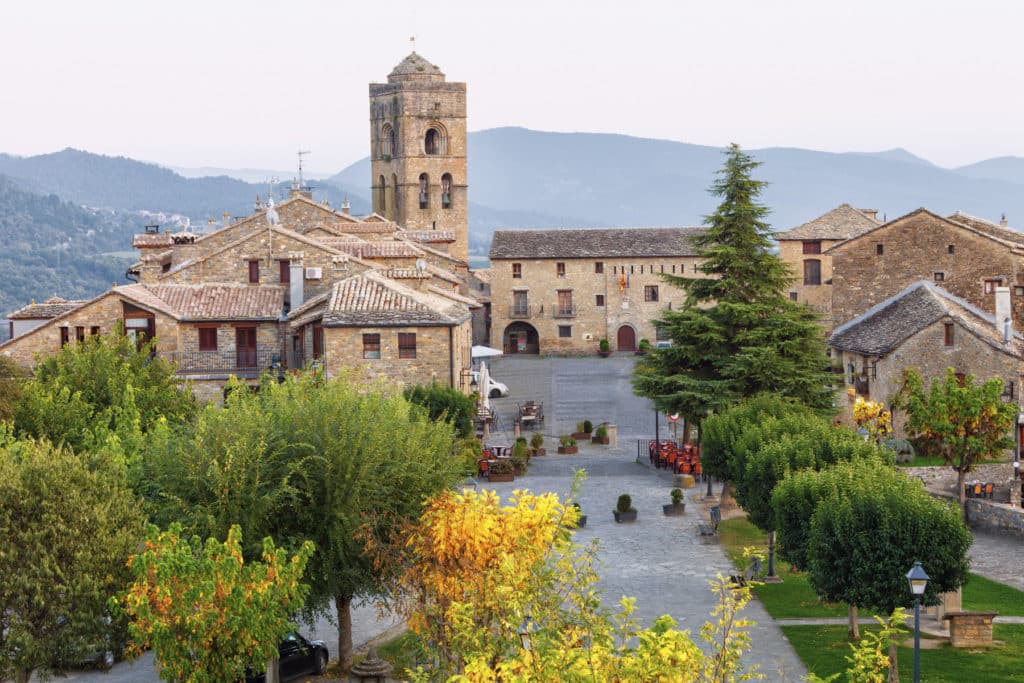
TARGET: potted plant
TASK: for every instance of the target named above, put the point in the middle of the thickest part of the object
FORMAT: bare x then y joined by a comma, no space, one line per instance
604,349
624,510
644,347
537,444
501,470
583,430
601,434
677,506
567,445
520,456
581,520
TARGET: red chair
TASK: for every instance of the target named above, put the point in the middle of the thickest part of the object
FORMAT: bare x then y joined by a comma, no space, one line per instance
483,467
977,489
989,489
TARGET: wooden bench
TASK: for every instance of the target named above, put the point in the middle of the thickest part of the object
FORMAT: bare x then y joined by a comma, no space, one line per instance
709,532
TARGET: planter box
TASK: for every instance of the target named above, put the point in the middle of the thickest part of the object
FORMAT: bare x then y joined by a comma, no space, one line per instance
538,452
625,516
672,510
494,477
605,441
568,450
581,436
582,522
604,354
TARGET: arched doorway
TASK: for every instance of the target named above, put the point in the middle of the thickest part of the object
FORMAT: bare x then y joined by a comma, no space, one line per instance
520,337
626,338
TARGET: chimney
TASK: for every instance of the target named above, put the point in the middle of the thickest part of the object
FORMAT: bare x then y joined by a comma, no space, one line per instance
225,219
1003,222
297,278
345,206
1004,319
870,213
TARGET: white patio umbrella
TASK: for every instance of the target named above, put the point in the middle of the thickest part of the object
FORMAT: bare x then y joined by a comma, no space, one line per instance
484,352
485,399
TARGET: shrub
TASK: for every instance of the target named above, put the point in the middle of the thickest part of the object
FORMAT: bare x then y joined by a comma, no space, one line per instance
677,496
588,426
602,431
503,466
625,504
604,345
536,440
445,403
519,449
566,441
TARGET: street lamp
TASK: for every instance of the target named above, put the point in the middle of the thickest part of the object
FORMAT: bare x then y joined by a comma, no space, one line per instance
918,583
526,631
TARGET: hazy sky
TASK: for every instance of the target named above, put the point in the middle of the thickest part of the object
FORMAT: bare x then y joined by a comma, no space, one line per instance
235,83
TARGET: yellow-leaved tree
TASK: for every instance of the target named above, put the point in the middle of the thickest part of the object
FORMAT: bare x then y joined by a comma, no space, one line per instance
478,573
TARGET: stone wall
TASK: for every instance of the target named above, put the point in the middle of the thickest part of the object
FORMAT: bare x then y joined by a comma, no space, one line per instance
818,297
917,247
990,516
622,285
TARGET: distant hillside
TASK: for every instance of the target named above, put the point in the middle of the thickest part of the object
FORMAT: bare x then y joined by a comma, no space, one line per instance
1010,169
52,246
125,184
597,179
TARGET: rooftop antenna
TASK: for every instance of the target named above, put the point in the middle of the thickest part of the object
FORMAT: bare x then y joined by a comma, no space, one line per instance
412,39
271,182
302,153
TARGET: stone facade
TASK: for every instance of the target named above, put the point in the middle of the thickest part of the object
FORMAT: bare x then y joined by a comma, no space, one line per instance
970,629
567,304
965,260
418,150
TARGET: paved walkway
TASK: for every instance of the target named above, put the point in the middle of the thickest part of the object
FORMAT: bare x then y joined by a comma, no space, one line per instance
1000,558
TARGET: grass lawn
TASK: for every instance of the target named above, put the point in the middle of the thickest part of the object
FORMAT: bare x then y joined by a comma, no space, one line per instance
400,652
983,595
823,650
922,461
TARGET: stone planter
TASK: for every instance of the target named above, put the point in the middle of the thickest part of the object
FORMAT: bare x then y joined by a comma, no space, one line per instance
495,477
673,510
538,451
604,354
568,450
605,441
621,517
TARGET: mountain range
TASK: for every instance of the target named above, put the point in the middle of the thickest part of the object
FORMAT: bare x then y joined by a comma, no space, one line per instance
517,178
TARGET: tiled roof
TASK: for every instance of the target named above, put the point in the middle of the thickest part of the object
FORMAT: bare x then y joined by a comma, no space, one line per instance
210,301
377,227
989,228
593,243
454,296
377,249
150,239
429,236
482,274
841,223
370,299
50,308
884,327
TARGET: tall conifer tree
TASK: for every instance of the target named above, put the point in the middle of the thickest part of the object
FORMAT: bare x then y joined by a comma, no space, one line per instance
738,333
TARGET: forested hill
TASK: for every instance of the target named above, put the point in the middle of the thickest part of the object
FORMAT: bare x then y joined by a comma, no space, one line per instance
53,246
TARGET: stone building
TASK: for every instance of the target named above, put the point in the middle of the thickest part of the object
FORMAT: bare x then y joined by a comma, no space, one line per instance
418,150
806,249
926,327
301,282
562,291
967,256
32,316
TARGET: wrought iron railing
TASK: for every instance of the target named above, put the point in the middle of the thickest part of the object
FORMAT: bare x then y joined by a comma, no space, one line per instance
243,362
522,311
564,312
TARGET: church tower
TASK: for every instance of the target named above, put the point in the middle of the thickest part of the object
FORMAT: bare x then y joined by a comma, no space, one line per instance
418,150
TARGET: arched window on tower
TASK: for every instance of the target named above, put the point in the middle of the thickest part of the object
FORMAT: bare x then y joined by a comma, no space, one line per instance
424,191
433,142
396,197
446,191
381,205
387,141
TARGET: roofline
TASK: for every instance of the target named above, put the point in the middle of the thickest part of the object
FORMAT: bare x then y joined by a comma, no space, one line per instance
980,233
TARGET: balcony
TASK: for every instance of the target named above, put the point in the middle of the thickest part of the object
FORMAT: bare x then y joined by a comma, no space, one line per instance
564,312
243,363
520,312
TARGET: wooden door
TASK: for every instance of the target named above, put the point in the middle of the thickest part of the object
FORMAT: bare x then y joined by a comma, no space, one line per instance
626,339
245,347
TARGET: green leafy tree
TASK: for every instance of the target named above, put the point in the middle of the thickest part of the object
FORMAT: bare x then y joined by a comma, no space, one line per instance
104,385
445,403
68,525
962,421
738,333
864,539
12,376
206,612
334,462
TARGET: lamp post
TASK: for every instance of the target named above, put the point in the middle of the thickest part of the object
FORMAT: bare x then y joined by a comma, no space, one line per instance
918,583
526,631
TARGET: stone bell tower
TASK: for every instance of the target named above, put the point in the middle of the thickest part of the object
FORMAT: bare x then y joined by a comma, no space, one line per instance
418,150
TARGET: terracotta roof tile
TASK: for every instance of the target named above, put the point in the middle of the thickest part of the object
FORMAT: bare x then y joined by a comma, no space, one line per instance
149,240
593,243
989,228
50,308
429,236
210,301
841,223
377,249
372,299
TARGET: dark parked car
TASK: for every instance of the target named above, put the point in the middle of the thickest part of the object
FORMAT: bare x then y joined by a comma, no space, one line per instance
298,657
